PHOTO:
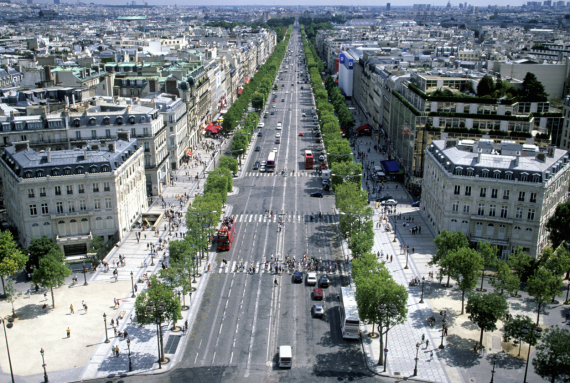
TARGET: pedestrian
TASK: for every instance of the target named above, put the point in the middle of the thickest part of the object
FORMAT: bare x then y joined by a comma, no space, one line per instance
71,309
475,347
427,343
391,259
423,337
413,249
115,329
117,351
125,334
45,296
483,350
136,287
83,303
112,322
68,332
431,355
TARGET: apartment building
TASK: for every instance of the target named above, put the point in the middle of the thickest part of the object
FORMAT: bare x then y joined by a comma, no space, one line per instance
73,195
501,192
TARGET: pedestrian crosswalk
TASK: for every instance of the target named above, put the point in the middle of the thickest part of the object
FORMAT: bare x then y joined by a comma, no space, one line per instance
260,268
287,217
289,173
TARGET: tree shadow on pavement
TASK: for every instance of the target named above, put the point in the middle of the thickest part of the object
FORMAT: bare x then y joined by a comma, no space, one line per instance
470,326
141,334
32,311
120,365
460,352
506,361
434,290
341,364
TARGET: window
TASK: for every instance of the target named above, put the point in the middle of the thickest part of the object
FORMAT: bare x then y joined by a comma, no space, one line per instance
42,192
59,207
504,211
519,213
33,210
108,204
69,189
45,209
483,192
455,207
481,209
97,204
106,186
469,172
485,174
466,208
146,147
31,193
506,194
67,171
492,210
133,132
80,189
71,206
95,188
494,193
108,133
530,215
524,177
93,134
516,232
467,190
58,190
82,205
535,178
521,196
496,175
145,131
509,176
78,134
532,197
528,234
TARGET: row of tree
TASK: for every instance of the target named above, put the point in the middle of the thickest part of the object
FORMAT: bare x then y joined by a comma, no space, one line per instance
532,88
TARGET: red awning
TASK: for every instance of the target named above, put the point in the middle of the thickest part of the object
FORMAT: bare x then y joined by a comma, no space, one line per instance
362,127
188,152
240,91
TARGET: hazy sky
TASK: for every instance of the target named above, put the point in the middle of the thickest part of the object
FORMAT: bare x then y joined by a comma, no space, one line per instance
291,2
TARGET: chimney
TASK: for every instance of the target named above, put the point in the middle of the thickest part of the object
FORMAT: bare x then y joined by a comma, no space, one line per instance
551,150
21,145
517,158
84,152
124,135
48,152
479,156
48,72
171,86
112,147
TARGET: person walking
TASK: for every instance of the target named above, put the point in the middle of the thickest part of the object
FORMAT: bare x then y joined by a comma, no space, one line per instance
71,309
45,296
68,332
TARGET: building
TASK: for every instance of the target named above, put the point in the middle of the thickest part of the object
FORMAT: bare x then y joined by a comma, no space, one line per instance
73,195
503,192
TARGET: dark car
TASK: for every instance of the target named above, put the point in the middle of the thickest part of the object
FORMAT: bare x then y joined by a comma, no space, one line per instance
327,187
324,281
298,277
318,140
278,141
259,134
282,100
272,113
257,148
301,88
265,115
416,204
385,198
318,294
317,194
256,165
317,134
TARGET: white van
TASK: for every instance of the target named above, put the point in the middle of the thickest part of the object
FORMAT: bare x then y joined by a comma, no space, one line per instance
285,357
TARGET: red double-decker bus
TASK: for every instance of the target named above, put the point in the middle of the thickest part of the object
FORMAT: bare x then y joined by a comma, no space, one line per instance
308,159
226,235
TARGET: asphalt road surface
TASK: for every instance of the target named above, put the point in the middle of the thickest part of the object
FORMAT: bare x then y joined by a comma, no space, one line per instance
244,317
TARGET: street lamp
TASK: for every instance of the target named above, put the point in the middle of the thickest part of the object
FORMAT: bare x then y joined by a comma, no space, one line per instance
106,335
423,281
84,275
537,332
493,371
7,348
46,380
132,285
407,255
157,310
130,361
443,327
416,366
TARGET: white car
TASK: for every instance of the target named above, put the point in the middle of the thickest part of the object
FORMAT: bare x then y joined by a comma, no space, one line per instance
263,163
279,126
277,135
321,158
261,125
262,169
275,150
389,202
319,147
312,279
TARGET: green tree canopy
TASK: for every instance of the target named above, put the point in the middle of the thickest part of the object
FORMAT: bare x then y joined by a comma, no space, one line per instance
488,253
543,285
552,359
447,241
486,86
505,280
51,272
485,310
558,224
229,163
11,258
463,265
514,329
533,89
40,247
158,292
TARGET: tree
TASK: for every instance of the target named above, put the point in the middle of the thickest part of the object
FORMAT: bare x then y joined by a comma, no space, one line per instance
38,248
97,243
11,294
557,262
11,259
361,241
156,293
366,265
463,264
533,88
178,250
514,329
230,163
543,285
447,241
51,272
520,262
486,86
485,310
552,359
505,279
488,253
557,225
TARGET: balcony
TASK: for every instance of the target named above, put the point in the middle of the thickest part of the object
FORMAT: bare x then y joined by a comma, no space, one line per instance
76,214
69,239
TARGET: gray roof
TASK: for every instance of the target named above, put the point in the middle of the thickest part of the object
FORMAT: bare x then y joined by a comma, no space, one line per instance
31,164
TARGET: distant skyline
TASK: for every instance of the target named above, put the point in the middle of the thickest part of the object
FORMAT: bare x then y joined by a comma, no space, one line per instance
287,3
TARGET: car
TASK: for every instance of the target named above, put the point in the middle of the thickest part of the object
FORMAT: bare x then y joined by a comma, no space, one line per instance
298,277
282,100
416,204
301,87
257,148
325,182
265,115
318,294
320,148
279,126
311,279
261,125
327,187
262,169
256,165
317,133
300,134
385,198
263,163
277,135
275,149
318,310
272,113
389,202
318,140
317,194
282,85
292,84
278,141
321,158
324,281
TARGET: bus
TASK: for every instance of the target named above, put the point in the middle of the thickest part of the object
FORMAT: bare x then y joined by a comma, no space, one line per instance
349,319
270,166
308,159
226,235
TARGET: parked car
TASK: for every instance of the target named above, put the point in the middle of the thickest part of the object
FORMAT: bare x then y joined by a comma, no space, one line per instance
389,202
318,294
277,135
416,204
300,134
257,148
256,165
317,194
